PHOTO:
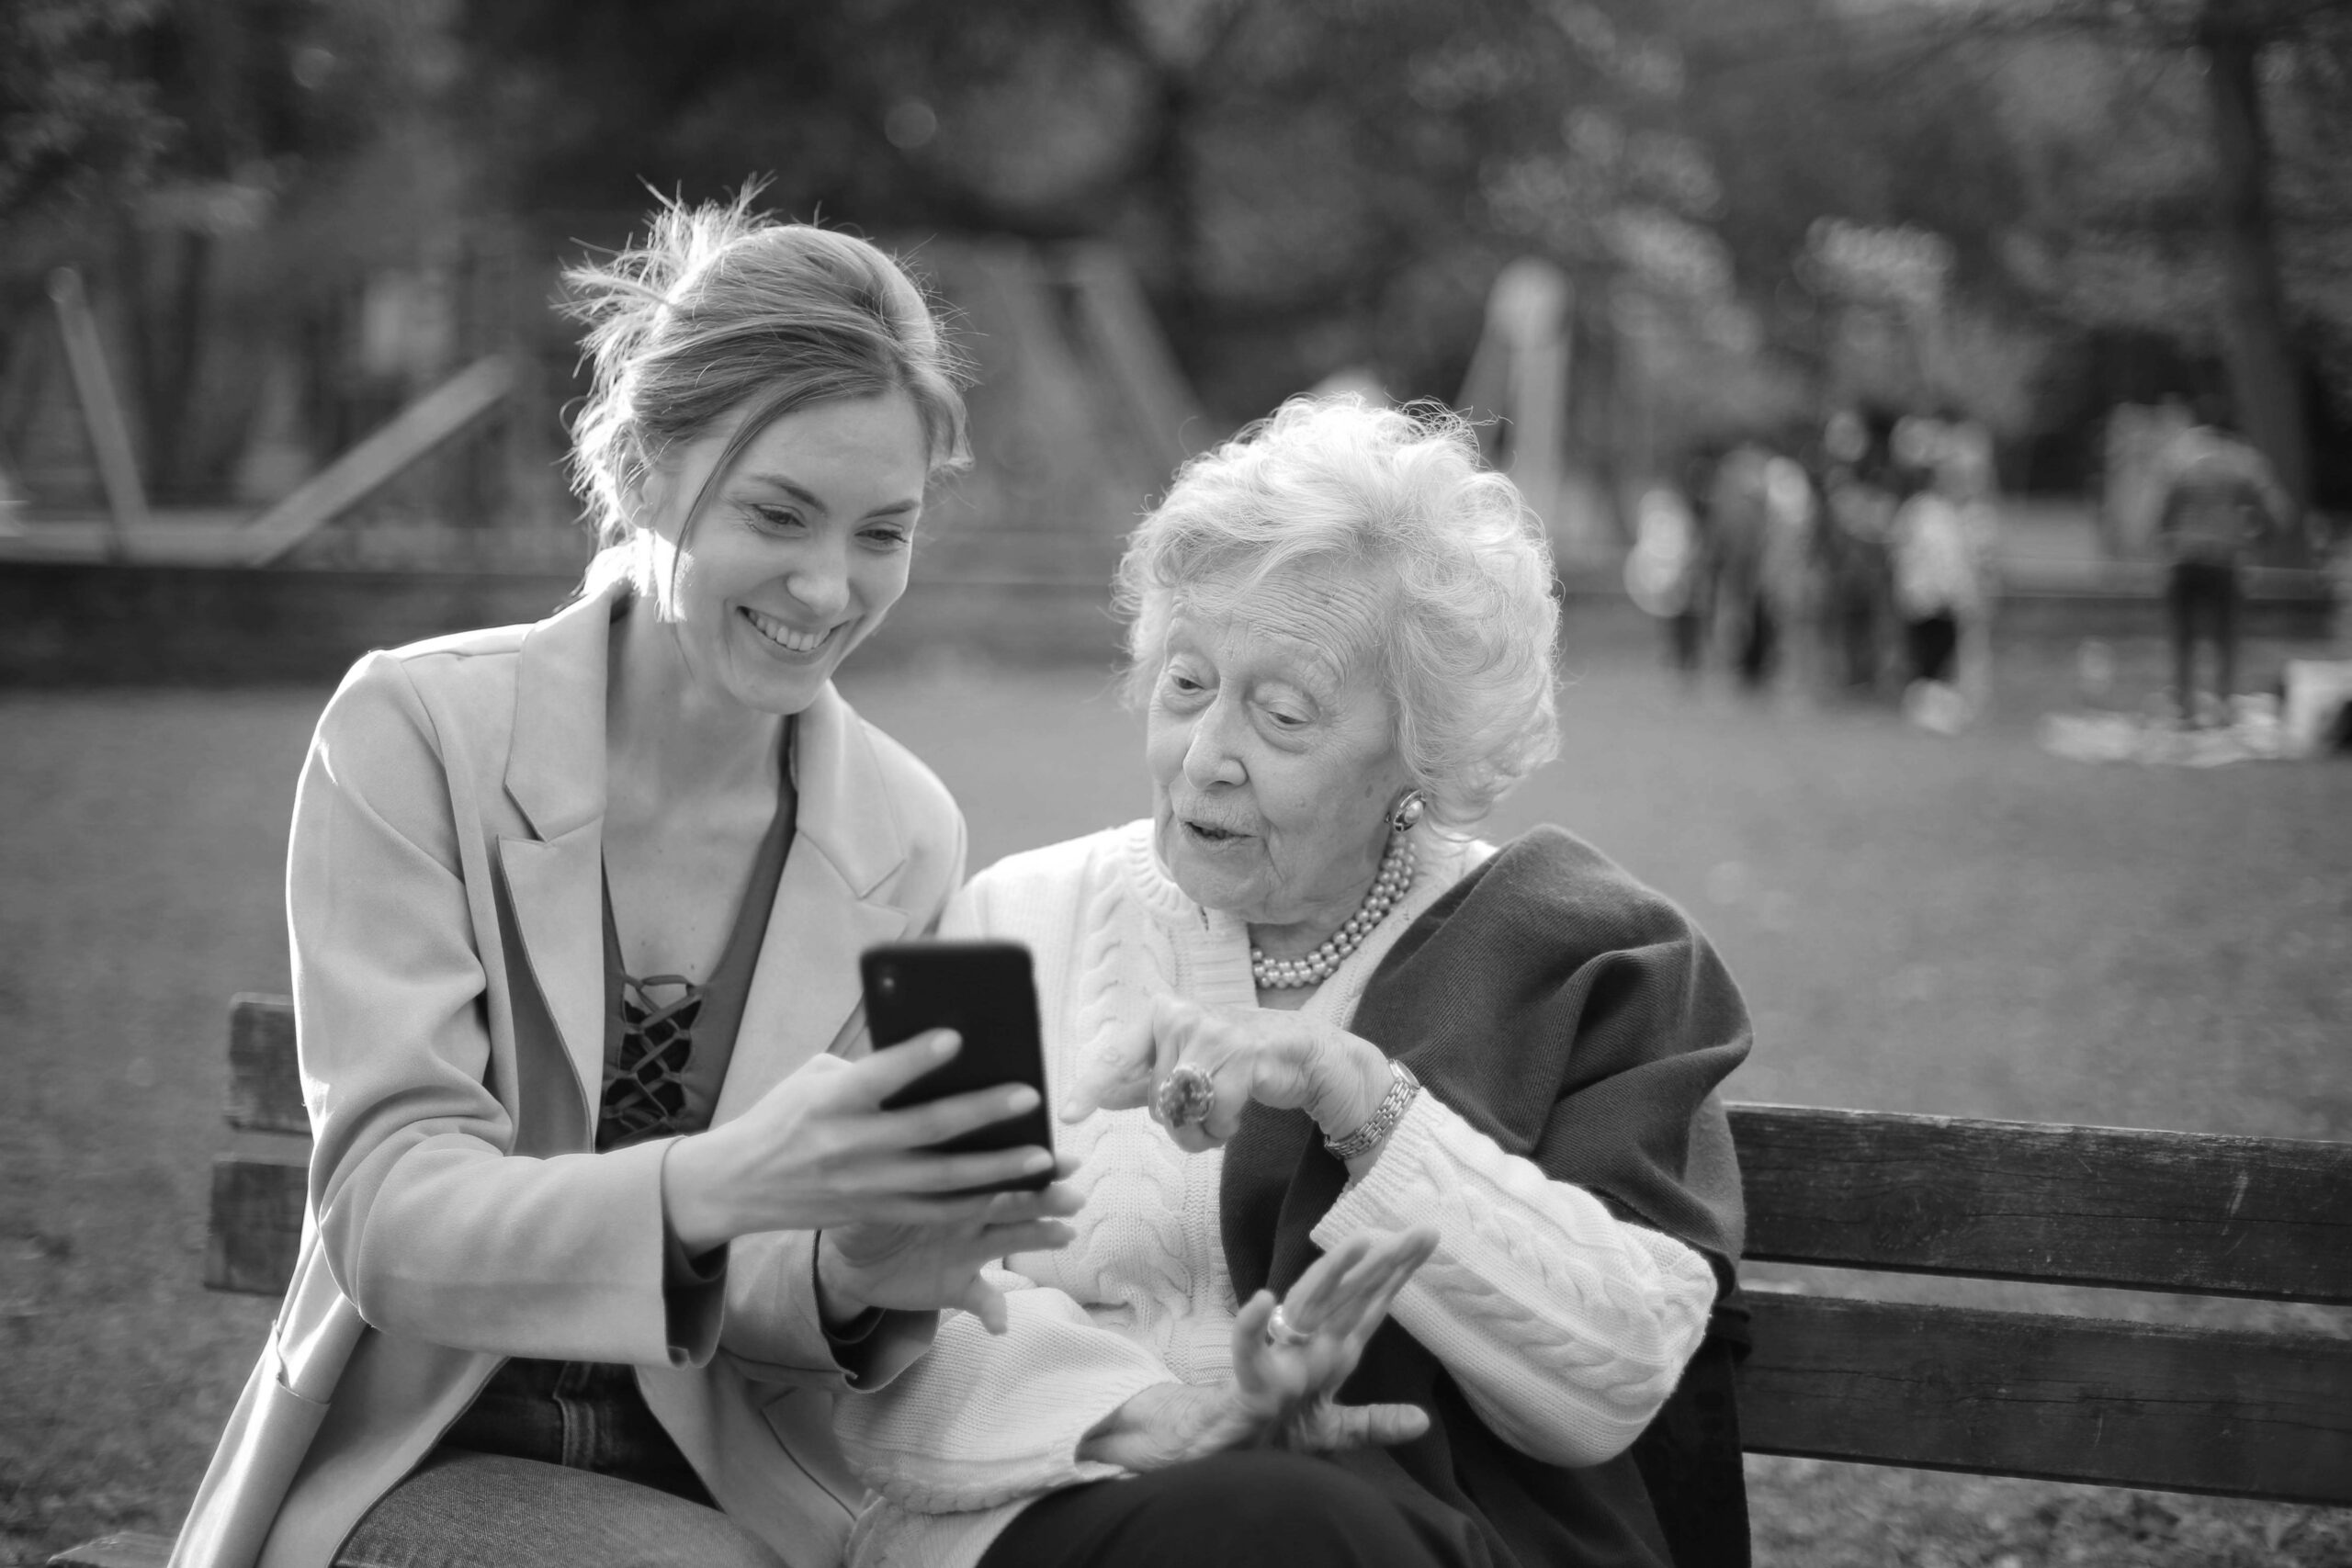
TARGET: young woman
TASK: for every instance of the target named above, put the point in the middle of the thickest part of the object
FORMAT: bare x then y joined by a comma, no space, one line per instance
604,1208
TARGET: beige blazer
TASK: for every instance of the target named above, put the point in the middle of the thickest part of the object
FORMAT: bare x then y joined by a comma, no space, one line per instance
443,895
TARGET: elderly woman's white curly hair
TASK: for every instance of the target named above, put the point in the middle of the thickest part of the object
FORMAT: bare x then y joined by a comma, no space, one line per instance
1395,502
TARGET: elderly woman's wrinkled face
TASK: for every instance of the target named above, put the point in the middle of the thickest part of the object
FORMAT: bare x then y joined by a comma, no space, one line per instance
1273,764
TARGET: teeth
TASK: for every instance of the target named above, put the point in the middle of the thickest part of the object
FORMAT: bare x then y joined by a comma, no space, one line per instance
783,636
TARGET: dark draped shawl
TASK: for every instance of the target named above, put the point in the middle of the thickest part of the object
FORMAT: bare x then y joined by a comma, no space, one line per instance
1577,1018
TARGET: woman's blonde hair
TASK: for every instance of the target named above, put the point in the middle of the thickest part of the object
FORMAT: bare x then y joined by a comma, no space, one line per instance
721,309
1395,501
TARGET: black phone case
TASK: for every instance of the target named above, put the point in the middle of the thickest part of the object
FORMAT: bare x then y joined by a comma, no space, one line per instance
984,991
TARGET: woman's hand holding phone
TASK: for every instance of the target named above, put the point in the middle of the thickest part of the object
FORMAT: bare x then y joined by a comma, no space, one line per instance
818,1152
911,1268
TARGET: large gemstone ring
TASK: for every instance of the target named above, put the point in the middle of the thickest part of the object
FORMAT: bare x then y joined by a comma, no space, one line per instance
1186,1096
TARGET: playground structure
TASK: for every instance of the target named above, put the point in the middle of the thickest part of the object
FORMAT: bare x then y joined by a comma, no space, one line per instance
1517,387
1078,414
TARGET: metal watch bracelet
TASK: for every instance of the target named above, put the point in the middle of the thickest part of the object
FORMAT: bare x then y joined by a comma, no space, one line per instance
1402,1086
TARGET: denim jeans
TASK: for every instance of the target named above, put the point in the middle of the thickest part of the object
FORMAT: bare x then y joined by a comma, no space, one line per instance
555,1464
584,1415
461,1510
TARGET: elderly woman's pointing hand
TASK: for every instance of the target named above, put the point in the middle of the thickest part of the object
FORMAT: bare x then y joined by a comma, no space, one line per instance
1287,1060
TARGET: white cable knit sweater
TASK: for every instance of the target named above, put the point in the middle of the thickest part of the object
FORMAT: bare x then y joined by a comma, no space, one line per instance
1564,1327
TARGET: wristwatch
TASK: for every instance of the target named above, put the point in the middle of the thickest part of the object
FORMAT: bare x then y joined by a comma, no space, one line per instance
1402,1086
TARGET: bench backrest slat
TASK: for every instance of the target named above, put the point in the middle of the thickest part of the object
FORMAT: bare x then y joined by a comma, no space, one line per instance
2211,1216
2066,1399
256,1228
264,1083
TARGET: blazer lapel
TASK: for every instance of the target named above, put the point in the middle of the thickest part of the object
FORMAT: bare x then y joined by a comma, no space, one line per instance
555,770
846,842
557,891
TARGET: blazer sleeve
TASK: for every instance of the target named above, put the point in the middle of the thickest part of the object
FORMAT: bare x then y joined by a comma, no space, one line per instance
428,1225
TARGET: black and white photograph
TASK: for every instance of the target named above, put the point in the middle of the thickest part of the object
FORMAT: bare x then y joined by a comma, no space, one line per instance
1176,784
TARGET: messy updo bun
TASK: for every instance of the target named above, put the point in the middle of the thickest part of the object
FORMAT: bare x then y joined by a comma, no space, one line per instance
721,308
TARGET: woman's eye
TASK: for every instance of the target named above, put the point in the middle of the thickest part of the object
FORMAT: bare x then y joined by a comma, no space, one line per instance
775,516
889,539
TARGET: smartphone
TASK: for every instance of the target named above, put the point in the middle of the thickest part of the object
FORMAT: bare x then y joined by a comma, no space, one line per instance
984,991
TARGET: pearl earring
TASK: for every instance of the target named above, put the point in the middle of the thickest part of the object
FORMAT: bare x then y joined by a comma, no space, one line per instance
1407,811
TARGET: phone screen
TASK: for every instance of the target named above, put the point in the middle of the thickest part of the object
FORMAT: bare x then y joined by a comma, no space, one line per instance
982,990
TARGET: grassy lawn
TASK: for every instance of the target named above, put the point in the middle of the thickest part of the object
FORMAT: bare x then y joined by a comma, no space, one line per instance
1966,926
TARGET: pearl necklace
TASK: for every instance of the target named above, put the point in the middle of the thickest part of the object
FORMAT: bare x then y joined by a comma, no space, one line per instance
1395,878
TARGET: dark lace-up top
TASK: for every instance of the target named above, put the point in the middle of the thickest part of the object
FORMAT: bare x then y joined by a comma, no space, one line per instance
667,1039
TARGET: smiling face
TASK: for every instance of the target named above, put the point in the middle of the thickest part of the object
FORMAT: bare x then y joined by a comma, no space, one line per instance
797,555
1273,760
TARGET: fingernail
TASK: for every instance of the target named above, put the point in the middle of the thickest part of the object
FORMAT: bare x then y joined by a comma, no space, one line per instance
1039,1160
945,1043
1021,1098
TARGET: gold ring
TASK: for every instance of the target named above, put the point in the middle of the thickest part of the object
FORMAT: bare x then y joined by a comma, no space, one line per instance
1280,1332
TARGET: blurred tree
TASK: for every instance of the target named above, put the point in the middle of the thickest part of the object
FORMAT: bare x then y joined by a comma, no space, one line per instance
78,122
2164,192
176,148
2205,226
1302,184
80,128
1840,130
2161,169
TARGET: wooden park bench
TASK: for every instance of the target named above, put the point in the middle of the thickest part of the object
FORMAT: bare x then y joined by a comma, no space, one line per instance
1998,1393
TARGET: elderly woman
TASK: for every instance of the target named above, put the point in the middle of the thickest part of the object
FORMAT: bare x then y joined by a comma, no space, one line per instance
605,1209
1316,1040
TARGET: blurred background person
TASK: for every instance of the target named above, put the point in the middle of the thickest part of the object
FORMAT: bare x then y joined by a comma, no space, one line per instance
1859,504
1791,570
1939,593
1668,573
2216,497
1740,522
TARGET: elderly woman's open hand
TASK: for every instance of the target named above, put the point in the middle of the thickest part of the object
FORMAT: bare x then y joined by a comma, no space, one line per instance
1281,1059
1287,1369
1289,1360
